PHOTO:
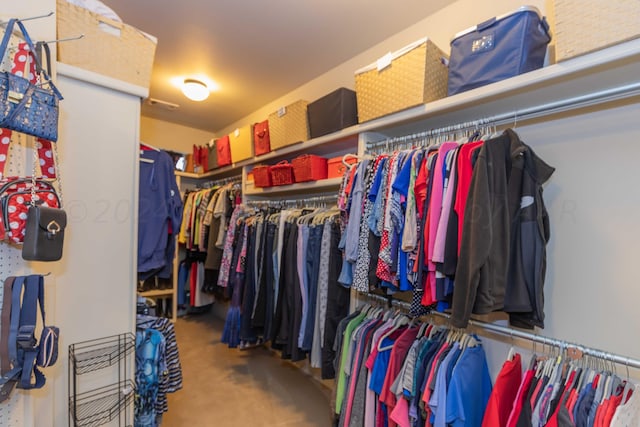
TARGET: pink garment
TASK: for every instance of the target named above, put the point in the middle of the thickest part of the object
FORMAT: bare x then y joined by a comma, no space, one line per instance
465,174
398,354
371,403
447,205
435,210
374,343
400,413
520,398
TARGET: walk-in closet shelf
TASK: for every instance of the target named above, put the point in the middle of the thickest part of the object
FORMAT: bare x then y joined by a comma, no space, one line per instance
311,187
605,72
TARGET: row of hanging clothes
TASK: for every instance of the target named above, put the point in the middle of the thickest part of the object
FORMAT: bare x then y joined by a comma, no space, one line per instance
395,371
280,265
158,369
207,212
461,223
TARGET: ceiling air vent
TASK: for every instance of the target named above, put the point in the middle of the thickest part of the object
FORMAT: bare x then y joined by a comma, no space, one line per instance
162,104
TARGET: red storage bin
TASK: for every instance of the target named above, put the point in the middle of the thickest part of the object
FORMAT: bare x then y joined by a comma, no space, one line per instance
282,173
335,167
309,167
261,176
223,147
261,140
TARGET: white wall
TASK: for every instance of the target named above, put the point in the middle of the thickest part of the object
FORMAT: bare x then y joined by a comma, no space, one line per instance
96,278
171,136
440,27
591,291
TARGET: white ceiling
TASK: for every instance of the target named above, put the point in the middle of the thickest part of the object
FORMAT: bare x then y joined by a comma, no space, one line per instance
259,50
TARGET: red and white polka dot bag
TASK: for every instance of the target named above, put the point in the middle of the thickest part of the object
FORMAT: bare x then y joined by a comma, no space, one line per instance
17,194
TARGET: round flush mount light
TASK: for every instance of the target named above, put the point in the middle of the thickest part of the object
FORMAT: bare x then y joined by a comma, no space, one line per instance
195,90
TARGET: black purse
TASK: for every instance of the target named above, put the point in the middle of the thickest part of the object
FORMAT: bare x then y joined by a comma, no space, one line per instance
44,227
44,234
26,107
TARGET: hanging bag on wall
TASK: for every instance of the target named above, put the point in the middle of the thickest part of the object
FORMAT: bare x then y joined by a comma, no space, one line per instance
23,198
45,223
21,353
25,106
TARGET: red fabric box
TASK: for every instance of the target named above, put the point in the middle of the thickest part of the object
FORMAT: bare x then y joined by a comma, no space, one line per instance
261,176
282,173
223,147
309,167
261,139
335,167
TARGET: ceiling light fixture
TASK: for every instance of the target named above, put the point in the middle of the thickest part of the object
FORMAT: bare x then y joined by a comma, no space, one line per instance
195,90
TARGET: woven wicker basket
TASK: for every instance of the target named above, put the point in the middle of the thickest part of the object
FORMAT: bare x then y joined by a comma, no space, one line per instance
583,26
123,52
415,75
281,173
289,125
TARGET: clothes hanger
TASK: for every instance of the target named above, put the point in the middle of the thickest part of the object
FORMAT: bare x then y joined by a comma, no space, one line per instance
399,321
423,327
511,353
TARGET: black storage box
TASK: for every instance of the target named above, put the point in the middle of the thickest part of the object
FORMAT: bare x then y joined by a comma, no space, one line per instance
332,112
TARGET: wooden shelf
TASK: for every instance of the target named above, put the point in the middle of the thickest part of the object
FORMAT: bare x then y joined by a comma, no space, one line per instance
311,187
157,293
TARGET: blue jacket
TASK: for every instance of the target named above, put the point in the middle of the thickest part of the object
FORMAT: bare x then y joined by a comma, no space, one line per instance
159,205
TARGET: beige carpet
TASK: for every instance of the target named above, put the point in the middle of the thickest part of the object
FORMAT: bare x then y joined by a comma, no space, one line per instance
226,387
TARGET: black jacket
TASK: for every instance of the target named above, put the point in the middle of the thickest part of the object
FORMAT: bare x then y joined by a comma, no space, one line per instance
502,259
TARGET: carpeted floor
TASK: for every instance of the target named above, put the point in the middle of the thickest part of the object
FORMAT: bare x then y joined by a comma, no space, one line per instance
225,387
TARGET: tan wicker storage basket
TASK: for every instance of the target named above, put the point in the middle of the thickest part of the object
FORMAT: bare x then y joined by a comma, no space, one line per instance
583,26
108,47
289,125
411,76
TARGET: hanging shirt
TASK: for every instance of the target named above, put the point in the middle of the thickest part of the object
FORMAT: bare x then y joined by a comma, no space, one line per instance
469,389
521,396
438,399
342,383
410,231
447,203
355,213
435,205
465,172
160,206
628,413
398,354
504,393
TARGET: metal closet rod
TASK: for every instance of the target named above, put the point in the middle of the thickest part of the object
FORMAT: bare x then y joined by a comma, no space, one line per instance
621,360
223,181
302,201
564,105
